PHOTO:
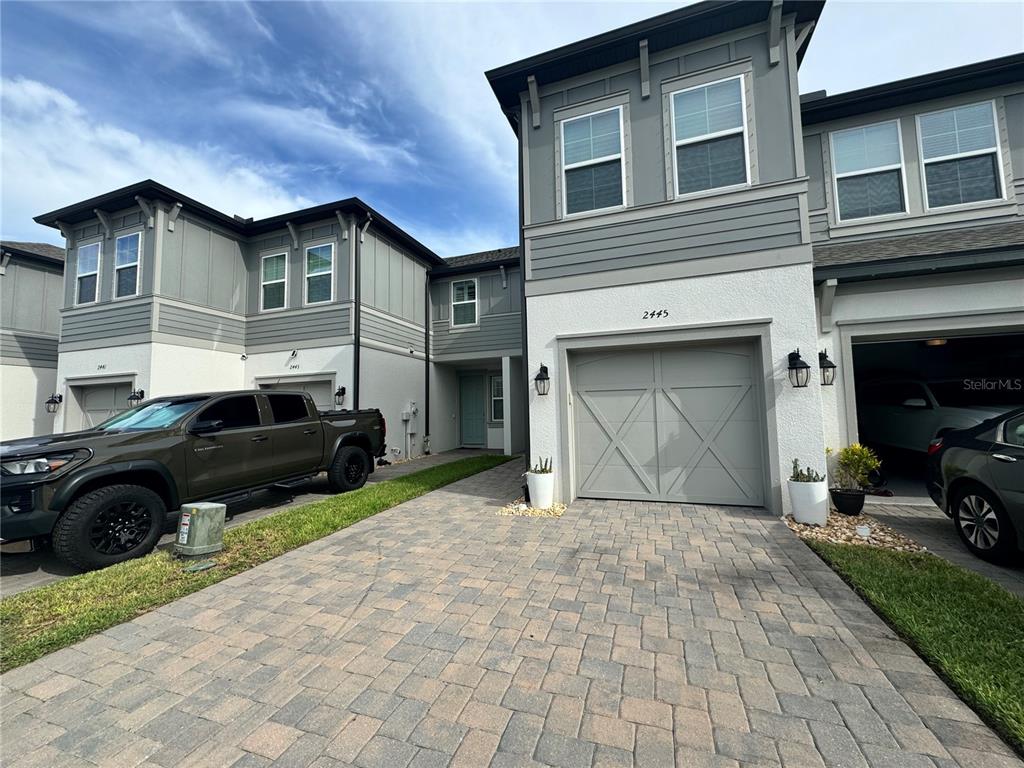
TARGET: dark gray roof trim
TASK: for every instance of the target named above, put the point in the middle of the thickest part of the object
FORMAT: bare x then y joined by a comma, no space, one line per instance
948,82
668,30
50,254
151,190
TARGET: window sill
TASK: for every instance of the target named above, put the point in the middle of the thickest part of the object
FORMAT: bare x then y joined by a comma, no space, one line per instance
923,218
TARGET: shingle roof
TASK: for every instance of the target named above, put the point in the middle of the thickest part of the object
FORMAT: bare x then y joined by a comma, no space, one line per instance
483,257
986,237
36,249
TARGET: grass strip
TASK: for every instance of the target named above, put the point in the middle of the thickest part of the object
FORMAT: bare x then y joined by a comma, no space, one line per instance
968,629
54,616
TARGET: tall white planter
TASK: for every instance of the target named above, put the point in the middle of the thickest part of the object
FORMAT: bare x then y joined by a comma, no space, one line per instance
809,502
542,489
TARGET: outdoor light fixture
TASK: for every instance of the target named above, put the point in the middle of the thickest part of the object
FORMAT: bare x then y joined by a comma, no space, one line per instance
339,396
542,381
935,343
799,371
136,397
53,402
828,369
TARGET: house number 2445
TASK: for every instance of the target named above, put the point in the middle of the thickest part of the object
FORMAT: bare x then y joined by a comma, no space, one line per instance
650,314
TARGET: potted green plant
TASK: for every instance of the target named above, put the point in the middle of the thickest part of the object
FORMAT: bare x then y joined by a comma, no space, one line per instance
540,481
854,464
808,495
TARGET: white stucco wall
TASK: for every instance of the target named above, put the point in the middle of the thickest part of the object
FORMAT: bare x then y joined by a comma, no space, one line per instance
389,382
316,363
24,390
784,295
176,370
444,404
129,363
977,301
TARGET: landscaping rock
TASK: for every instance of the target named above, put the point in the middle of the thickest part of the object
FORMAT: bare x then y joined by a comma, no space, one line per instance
842,529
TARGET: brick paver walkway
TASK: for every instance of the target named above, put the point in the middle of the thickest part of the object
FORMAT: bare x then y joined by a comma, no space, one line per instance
439,633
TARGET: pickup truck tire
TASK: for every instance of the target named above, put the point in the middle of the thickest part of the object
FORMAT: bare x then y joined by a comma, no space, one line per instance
109,525
349,469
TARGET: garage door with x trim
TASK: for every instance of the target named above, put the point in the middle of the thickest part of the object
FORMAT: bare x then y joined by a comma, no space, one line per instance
669,424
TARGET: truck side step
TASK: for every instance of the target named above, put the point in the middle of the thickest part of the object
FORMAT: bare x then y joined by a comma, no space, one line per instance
286,485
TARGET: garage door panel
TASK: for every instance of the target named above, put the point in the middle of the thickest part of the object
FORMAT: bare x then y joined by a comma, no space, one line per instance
615,479
615,370
102,401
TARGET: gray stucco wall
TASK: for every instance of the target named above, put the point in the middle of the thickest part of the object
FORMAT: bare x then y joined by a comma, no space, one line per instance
31,295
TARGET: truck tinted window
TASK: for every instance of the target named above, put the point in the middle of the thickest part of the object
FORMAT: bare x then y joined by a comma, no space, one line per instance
288,408
235,412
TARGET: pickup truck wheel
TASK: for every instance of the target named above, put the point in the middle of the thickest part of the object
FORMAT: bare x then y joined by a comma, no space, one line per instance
349,470
109,525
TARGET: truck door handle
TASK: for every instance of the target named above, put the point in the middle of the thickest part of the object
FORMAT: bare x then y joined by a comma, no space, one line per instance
259,439
309,431
1003,457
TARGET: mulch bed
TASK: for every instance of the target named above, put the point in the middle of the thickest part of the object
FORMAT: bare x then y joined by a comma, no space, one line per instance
842,529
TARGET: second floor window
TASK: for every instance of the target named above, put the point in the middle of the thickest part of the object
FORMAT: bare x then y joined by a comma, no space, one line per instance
274,281
960,154
709,135
126,265
592,175
319,273
868,167
463,302
86,273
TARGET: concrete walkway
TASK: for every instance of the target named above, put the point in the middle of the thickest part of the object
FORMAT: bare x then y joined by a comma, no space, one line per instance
438,633
930,528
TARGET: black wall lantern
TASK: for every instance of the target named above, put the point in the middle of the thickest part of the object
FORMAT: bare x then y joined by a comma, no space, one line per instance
339,396
799,371
828,369
53,402
542,381
136,397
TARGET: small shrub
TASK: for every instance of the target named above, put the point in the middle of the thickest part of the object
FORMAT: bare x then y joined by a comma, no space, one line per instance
542,467
854,464
807,475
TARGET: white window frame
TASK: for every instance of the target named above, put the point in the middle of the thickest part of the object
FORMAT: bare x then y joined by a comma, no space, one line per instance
902,168
79,274
137,265
475,302
493,399
306,275
264,283
959,156
742,130
620,156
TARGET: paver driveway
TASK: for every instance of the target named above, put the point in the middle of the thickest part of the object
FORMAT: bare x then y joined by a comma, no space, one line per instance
437,632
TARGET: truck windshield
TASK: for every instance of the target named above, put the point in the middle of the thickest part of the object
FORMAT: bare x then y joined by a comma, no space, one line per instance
155,414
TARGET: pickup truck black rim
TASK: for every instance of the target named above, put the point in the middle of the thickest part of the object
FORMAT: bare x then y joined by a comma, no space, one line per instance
354,469
120,528
978,521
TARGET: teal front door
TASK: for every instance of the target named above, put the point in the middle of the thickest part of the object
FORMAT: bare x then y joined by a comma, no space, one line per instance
472,395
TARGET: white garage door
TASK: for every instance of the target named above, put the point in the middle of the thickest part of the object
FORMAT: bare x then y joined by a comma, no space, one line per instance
669,424
101,401
320,390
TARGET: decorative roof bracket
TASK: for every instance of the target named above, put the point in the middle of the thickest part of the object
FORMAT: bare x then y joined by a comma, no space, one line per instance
645,71
531,83
294,233
147,209
105,221
802,35
825,298
172,216
342,224
775,33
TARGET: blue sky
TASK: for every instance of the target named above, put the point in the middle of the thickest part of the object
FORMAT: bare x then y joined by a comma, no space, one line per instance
259,108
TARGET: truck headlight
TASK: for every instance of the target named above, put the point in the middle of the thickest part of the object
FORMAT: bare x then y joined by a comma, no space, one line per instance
35,466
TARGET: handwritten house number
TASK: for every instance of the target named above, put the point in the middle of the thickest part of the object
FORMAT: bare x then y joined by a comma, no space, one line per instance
650,314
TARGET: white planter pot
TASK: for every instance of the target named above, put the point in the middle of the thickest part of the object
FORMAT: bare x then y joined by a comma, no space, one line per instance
810,502
542,489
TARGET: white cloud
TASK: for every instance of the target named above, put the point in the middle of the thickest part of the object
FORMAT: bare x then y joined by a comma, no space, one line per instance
55,153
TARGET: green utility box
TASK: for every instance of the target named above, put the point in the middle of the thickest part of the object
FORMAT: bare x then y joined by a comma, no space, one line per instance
200,529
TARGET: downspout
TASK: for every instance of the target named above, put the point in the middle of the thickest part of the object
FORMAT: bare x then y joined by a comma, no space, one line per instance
357,292
426,361
522,280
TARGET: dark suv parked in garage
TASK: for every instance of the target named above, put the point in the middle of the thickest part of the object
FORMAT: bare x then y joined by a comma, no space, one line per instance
976,476
103,495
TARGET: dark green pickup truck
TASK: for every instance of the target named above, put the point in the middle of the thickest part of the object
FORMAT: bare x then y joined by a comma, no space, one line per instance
106,494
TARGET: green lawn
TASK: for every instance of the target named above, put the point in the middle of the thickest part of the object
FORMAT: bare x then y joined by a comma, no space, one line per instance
43,620
967,628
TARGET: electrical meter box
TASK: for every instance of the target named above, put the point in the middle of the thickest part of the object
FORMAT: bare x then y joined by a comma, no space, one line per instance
200,529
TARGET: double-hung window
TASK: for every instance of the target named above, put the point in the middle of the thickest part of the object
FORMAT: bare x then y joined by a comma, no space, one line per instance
867,163
592,167
463,303
709,136
497,399
126,265
319,273
960,155
273,281
87,273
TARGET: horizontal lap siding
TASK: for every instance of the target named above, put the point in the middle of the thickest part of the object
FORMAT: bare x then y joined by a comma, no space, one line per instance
25,349
741,228
496,333
196,324
388,331
326,326
107,323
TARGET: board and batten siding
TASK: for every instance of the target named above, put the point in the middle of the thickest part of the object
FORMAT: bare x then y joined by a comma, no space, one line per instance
203,265
30,297
325,326
109,325
709,232
28,349
499,305
391,280
194,323
376,326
